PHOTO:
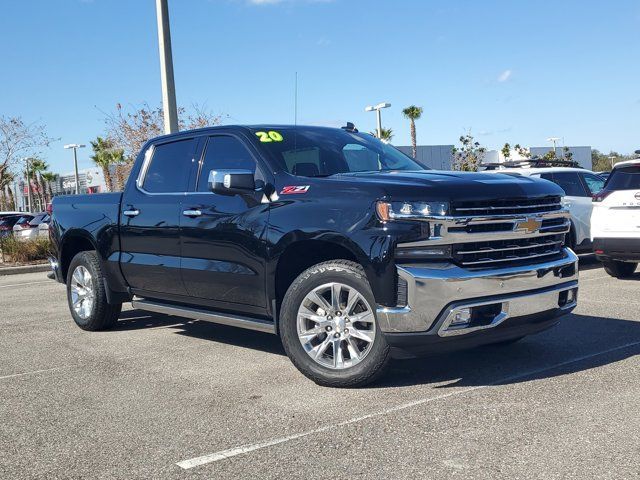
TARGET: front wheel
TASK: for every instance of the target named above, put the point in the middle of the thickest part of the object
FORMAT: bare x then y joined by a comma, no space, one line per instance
329,328
619,269
86,294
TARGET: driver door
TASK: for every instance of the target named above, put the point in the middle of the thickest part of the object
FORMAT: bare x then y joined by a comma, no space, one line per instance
223,252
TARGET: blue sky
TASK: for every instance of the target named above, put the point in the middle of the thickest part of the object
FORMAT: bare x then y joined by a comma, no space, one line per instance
511,71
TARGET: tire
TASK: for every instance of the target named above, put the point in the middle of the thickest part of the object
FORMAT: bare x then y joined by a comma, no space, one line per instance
91,312
348,360
619,269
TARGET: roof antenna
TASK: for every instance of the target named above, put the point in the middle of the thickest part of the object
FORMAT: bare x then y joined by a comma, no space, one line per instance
295,102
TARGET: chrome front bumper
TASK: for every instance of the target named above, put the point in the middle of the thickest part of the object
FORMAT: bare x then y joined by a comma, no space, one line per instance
438,291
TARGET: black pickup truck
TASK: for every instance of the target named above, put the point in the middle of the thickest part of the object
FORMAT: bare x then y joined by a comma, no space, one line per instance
340,244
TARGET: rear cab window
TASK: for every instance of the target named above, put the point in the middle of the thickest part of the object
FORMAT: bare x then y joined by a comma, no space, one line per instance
169,167
624,178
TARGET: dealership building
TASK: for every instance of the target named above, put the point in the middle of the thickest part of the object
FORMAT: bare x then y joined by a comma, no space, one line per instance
440,157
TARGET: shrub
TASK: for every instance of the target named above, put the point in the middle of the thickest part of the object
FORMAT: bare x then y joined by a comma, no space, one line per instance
24,251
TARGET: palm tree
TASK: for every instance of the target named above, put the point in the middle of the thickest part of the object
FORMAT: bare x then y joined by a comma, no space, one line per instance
413,113
49,178
105,155
38,167
7,201
386,134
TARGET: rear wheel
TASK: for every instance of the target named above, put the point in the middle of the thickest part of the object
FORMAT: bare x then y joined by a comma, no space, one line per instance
329,328
86,294
619,269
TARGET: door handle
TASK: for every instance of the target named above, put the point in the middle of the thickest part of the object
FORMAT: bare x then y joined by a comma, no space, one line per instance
131,213
192,213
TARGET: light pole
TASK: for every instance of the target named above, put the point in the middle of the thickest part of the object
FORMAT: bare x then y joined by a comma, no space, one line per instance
612,158
377,109
166,68
553,140
75,147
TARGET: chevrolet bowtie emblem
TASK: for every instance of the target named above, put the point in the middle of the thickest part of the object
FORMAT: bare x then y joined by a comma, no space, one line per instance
531,225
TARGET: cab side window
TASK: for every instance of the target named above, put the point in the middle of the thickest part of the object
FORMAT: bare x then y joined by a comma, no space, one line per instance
594,182
224,152
568,181
170,166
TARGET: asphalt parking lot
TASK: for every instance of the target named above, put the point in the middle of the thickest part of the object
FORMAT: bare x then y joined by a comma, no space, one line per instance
161,398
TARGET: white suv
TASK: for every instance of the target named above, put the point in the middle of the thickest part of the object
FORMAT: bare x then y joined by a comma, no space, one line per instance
615,221
579,186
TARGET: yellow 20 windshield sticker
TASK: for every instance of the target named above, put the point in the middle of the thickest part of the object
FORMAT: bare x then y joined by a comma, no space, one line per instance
270,136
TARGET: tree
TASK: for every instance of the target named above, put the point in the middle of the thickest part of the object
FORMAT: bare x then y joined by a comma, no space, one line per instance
48,178
104,156
7,201
413,113
38,167
506,151
523,152
469,155
19,139
129,130
386,134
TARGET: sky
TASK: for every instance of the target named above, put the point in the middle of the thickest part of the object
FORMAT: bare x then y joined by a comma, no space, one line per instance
507,71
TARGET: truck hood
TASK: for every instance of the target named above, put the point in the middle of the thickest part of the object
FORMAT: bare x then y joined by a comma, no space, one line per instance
443,185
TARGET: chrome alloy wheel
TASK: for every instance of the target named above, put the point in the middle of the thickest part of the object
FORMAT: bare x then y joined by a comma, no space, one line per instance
336,325
82,293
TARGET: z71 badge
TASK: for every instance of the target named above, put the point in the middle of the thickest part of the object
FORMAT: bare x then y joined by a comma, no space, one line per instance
291,189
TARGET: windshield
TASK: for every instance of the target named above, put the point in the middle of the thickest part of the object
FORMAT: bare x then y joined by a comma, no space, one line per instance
319,151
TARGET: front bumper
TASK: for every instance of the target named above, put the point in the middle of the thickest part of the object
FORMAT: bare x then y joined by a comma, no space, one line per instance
437,292
623,249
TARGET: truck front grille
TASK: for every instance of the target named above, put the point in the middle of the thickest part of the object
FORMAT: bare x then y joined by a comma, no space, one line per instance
507,206
518,246
502,253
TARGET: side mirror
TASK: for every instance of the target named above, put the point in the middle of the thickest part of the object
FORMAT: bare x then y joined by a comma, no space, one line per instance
231,182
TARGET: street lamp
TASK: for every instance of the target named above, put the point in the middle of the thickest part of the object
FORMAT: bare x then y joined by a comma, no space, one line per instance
612,158
75,147
554,141
377,109
169,108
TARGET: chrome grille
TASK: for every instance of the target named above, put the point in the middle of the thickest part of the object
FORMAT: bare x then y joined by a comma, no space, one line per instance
500,233
507,206
499,253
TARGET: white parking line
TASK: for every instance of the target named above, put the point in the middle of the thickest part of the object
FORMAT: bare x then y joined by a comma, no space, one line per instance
241,450
28,283
33,372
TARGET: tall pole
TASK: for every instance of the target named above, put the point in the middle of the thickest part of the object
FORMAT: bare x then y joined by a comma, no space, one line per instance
166,68
75,166
379,123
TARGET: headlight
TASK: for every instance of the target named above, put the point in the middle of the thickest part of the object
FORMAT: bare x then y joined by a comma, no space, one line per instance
410,210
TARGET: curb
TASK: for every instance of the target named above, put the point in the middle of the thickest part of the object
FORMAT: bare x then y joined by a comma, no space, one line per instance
41,267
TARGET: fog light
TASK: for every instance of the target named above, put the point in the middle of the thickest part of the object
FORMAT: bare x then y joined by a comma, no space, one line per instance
461,318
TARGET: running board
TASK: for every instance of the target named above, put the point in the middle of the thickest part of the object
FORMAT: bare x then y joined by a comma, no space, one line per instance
205,315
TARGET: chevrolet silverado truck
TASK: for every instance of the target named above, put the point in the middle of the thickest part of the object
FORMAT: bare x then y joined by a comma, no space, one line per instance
344,247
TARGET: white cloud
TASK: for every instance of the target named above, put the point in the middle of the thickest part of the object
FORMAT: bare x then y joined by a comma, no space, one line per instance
504,76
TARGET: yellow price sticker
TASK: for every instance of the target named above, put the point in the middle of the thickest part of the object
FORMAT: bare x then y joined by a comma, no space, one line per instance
270,136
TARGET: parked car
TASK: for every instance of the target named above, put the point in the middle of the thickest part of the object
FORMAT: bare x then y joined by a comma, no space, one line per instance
27,227
43,228
340,244
7,221
615,221
579,186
